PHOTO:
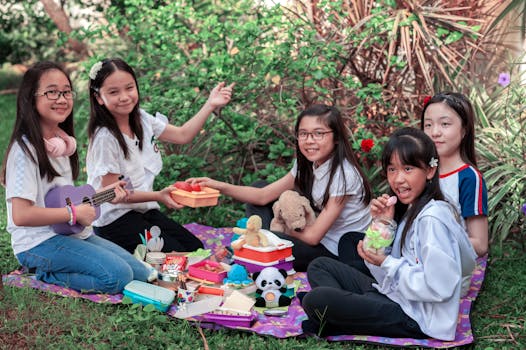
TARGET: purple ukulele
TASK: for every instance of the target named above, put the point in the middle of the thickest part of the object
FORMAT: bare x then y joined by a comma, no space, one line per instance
60,196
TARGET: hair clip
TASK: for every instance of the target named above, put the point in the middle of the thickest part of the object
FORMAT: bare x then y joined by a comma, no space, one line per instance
95,70
426,100
433,162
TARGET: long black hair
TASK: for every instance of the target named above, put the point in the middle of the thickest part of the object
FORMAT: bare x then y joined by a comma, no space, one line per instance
461,105
27,123
414,148
100,116
331,117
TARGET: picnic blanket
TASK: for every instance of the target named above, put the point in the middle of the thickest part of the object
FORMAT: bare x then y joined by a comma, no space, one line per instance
289,325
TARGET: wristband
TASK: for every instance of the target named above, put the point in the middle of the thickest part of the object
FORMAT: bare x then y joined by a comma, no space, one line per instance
72,215
70,221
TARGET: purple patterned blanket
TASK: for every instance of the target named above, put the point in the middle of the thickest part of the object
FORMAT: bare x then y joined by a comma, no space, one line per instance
290,325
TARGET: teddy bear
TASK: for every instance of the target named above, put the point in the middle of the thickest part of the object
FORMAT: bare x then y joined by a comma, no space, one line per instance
292,212
252,234
271,286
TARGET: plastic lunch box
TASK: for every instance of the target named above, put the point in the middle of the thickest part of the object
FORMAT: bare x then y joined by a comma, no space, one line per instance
146,293
207,197
202,271
279,249
255,266
230,320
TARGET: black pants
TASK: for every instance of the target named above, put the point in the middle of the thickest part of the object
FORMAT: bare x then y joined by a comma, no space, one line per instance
303,253
125,231
343,301
263,211
348,252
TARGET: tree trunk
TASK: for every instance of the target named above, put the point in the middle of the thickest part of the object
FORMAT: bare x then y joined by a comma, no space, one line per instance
61,20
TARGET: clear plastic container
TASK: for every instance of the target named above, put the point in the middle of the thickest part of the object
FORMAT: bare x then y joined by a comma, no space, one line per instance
379,235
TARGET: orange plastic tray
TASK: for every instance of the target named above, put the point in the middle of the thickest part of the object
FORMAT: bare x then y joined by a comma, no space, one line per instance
206,197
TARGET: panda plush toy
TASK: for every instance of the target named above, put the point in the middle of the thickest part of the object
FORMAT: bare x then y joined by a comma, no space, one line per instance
271,285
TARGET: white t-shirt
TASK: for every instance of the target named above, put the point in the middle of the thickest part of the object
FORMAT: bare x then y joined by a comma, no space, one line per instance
23,181
106,156
355,215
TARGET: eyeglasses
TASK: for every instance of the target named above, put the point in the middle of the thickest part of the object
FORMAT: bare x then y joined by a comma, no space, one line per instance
55,94
316,135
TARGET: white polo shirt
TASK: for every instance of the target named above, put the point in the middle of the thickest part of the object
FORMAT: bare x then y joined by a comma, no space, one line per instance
355,215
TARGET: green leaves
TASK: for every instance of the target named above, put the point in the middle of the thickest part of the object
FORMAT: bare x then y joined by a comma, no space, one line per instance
373,59
501,143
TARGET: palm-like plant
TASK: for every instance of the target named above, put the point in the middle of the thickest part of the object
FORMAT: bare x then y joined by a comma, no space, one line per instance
502,148
408,47
425,34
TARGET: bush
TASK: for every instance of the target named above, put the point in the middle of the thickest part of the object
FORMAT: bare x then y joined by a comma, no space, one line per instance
27,33
279,65
501,143
9,79
283,60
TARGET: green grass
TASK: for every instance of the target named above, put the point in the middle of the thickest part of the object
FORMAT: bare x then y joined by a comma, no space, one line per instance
33,319
7,118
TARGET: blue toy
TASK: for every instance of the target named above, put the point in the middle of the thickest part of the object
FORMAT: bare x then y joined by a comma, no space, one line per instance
241,223
237,277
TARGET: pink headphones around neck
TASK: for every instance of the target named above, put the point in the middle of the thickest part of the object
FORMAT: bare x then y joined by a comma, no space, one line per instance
61,145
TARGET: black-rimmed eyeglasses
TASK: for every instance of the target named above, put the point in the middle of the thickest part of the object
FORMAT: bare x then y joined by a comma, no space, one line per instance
55,94
316,135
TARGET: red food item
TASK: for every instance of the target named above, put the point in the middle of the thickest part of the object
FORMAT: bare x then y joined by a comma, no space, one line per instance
185,186
196,187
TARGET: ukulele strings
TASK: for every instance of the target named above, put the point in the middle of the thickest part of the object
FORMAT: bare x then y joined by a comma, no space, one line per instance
99,198
103,197
106,196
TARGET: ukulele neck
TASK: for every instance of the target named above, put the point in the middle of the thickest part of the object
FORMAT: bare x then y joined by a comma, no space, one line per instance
103,197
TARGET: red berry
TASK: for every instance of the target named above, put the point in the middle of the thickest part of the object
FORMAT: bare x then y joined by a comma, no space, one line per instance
196,188
185,186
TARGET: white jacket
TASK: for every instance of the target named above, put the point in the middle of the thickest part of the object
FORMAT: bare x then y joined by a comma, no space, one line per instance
426,278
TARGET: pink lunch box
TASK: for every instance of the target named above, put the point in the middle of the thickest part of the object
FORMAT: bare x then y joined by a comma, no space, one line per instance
208,270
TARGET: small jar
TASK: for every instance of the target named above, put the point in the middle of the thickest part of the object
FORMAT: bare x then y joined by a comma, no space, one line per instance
379,235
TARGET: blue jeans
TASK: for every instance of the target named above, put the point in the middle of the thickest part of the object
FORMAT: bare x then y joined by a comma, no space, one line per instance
93,265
